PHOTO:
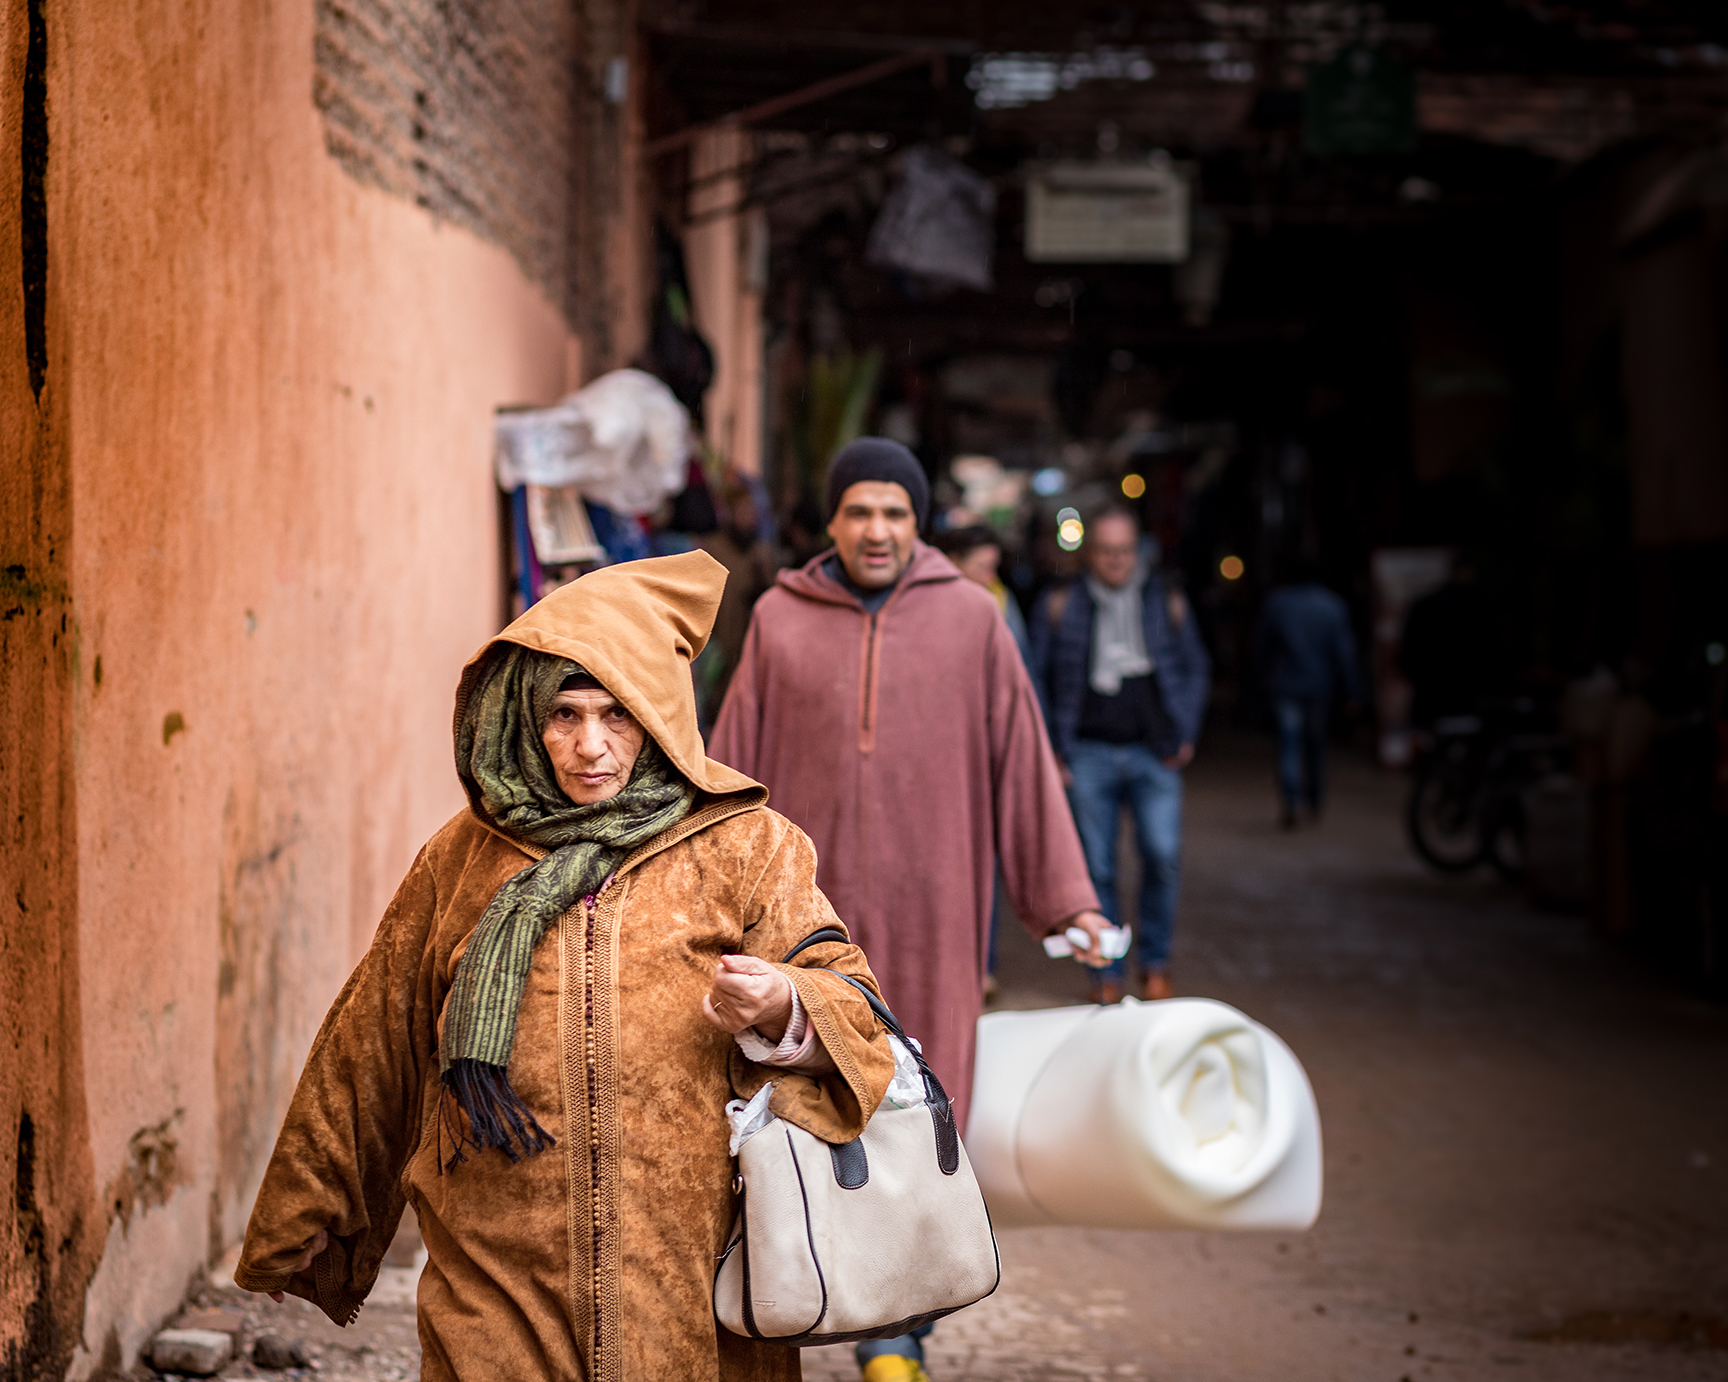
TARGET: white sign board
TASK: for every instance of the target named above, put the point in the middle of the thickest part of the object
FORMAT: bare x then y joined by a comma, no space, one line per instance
1106,213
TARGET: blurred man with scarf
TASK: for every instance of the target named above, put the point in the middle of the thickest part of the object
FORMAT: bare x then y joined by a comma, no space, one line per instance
1128,679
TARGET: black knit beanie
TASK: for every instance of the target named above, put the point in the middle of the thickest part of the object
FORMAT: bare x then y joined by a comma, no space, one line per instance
877,458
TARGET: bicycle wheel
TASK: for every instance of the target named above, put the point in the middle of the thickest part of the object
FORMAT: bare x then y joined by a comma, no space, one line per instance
1441,818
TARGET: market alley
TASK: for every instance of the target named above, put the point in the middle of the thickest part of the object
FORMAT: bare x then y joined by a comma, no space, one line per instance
1527,1151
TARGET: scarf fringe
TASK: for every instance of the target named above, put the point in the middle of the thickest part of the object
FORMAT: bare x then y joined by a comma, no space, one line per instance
495,1113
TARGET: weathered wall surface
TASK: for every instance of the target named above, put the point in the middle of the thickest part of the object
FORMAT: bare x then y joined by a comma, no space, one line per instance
516,119
50,1221
250,535
465,107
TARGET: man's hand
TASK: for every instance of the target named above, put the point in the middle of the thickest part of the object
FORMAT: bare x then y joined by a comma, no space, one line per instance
749,992
1067,776
320,1241
1181,758
1092,923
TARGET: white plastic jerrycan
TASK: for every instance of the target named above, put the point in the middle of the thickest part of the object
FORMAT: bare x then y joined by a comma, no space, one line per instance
1180,1114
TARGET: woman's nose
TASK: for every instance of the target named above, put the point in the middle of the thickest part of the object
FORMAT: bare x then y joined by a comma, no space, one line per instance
590,742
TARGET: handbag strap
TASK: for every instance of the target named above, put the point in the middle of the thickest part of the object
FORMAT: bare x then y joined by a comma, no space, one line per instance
941,1106
819,937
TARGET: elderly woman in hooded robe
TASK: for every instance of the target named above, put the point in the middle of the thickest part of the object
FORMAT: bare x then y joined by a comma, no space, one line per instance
578,972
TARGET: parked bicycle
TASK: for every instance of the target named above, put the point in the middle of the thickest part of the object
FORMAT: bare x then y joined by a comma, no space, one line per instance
1467,801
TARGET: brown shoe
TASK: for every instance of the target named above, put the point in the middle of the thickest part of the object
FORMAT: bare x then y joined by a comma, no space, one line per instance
1107,991
1155,986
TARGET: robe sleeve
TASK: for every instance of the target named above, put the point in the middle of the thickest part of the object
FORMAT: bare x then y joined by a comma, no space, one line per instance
737,736
354,1121
786,906
1036,842
799,1049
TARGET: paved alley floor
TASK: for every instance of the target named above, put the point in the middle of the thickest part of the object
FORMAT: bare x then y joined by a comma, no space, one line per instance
1526,1136
1526,1140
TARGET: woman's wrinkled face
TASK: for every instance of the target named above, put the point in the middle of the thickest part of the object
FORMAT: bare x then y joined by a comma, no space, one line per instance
592,742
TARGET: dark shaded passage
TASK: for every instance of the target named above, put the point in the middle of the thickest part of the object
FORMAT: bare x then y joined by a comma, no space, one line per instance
1525,1133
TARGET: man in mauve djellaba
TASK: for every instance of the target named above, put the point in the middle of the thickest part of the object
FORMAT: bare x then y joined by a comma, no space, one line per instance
574,978
882,699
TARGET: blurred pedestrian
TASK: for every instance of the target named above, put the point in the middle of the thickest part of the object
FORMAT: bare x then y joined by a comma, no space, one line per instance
737,544
883,702
977,552
1305,654
577,973
1128,680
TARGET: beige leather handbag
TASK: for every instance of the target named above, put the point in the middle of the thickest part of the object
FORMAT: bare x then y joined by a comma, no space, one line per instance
835,1242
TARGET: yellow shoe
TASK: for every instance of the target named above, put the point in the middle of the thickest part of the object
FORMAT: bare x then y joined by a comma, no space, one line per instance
891,1367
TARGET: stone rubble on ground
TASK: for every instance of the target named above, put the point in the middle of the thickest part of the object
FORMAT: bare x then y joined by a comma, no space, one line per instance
274,1352
191,1352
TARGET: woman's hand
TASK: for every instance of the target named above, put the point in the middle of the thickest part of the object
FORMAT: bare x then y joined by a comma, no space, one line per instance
749,992
320,1241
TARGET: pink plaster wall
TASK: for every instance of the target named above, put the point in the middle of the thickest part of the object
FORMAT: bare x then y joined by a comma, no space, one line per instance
724,257
278,391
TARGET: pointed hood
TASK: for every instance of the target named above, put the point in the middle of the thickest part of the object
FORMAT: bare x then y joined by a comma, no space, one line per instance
636,627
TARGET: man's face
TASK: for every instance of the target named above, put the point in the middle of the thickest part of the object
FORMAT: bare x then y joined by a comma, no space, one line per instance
873,530
1111,550
593,743
981,564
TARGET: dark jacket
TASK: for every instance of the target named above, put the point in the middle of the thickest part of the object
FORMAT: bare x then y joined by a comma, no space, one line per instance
1062,644
1303,647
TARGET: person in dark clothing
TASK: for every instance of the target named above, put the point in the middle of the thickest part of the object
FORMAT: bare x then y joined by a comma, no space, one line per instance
1305,652
1127,679
1451,652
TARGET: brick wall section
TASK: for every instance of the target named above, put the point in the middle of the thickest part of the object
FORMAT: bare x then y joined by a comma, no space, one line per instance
468,108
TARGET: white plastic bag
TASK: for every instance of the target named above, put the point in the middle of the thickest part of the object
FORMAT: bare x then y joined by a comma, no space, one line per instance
905,1090
623,441
748,1119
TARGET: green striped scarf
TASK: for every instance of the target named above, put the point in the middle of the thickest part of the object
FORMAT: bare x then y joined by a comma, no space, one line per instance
501,759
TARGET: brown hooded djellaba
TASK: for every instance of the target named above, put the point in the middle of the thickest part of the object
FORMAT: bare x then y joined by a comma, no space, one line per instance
594,1259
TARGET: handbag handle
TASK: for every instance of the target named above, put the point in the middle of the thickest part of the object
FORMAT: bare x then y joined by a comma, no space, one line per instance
941,1106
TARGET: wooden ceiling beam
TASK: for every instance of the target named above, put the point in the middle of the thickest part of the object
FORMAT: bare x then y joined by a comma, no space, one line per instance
936,59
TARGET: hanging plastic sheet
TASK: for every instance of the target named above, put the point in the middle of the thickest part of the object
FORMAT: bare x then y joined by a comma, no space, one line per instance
939,222
623,441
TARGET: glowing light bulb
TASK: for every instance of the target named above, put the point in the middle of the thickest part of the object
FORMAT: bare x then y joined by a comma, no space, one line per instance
1133,485
1231,568
1070,533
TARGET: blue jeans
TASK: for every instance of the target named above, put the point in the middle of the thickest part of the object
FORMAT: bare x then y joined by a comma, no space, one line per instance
1107,776
1301,750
